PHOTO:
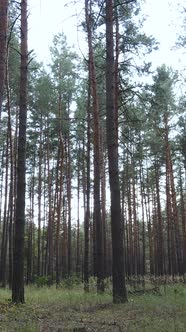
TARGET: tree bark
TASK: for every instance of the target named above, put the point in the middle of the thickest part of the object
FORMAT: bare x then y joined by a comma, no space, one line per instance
5,221
3,45
87,212
39,201
11,190
69,194
160,225
59,205
97,169
78,268
119,289
18,258
183,217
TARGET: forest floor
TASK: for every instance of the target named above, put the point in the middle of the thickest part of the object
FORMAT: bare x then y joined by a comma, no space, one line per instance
70,310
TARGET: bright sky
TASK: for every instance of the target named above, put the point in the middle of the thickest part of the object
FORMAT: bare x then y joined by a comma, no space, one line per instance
164,22
48,17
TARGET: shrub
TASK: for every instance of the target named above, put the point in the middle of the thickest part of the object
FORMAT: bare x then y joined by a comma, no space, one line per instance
41,281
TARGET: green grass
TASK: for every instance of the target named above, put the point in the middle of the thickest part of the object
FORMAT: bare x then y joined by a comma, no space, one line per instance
165,312
63,309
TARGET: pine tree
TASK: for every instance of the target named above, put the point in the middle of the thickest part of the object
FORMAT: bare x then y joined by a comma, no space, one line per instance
3,45
18,258
119,289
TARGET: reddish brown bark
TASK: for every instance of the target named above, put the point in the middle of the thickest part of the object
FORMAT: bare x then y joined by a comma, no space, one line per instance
116,72
97,170
174,249
160,240
183,216
64,242
11,190
149,226
59,205
3,45
5,221
119,289
50,215
69,194
78,268
142,192
18,261
103,199
87,208
39,201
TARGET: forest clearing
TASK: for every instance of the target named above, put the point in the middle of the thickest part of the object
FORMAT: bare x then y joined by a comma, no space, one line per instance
69,309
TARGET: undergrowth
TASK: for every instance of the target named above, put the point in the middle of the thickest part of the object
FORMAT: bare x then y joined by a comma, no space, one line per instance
69,309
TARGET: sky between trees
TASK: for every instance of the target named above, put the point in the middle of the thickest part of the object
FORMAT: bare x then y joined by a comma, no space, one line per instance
163,21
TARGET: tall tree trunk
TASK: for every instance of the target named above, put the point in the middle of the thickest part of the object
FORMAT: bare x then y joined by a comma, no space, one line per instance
39,201
1,184
59,187
175,220
45,210
172,210
149,226
18,260
30,232
130,235
59,205
155,233
103,199
116,70
50,216
135,223
11,190
78,268
69,180
5,220
97,204
3,45
87,213
119,289
160,225
64,241
183,217
142,193
170,237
